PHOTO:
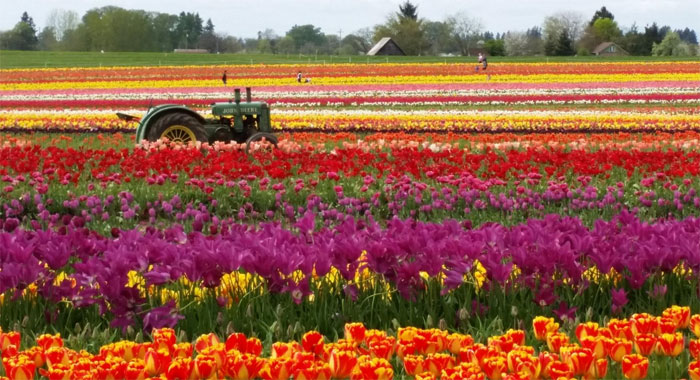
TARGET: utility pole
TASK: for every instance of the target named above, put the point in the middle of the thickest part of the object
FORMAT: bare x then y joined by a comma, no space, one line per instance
340,40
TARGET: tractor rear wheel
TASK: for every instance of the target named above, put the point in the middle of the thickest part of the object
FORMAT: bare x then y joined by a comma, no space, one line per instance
178,128
269,137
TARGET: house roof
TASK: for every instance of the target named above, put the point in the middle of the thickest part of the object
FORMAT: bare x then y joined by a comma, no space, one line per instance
376,48
604,46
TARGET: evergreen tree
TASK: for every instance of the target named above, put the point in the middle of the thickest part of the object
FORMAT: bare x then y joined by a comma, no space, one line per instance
564,45
408,11
22,36
601,13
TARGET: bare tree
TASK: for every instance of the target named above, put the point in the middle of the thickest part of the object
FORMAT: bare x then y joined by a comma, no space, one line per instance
466,30
572,22
516,43
62,21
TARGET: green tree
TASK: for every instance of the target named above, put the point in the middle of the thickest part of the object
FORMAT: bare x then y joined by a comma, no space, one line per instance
564,46
164,34
605,29
354,44
47,39
672,45
22,36
209,40
439,35
406,29
188,30
407,33
601,13
306,35
495,47
634,42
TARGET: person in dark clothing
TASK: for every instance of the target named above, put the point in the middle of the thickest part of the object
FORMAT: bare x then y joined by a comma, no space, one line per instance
485,63
299,77
224,78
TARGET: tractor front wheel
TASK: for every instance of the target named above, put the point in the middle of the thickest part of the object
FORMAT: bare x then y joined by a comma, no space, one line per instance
178,128
269,137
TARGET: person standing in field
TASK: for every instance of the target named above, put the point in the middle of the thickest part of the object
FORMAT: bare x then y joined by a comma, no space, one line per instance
224,78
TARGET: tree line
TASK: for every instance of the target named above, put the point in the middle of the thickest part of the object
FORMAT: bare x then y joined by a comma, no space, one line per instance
112,28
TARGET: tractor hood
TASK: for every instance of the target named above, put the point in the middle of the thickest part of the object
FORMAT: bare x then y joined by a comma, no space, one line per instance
231,108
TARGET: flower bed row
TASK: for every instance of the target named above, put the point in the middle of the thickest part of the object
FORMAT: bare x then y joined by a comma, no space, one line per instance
540,263
634,348
340,70
354,120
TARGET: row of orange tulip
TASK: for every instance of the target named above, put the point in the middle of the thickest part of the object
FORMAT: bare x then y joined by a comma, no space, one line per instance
366,354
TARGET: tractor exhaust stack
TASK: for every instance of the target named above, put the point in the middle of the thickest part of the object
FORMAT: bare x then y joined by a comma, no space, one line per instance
237,95
247,95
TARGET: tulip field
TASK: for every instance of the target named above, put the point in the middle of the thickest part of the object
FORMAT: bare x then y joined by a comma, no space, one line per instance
417,220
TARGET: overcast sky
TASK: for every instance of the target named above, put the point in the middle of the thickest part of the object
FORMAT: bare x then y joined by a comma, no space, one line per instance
245,18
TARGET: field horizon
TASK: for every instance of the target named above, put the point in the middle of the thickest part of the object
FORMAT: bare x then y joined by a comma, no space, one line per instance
10,59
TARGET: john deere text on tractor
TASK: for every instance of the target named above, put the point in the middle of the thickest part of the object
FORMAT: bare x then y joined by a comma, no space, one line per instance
243,122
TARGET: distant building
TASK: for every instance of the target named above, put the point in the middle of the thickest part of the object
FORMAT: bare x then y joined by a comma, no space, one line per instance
609,49
386,46
196,51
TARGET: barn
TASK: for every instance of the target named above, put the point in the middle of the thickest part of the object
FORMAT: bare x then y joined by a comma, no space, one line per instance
386,46
609,49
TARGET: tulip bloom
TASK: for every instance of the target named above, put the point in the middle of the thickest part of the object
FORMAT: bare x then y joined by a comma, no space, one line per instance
46,341
586,329
435,363
180,369
543,327
556,341
598,370
372,369
671,344
206,340
355,332
456,342
56,355
494,367
135,371
635,367
694,348
619,349
679,314
205,367
156,362
694,370
557,369
243,366
644,344
182,350
11,338
578,359
276,369
312,341
312,370
19,367
414,364
164,339
596,344
285,350
342,363
695,325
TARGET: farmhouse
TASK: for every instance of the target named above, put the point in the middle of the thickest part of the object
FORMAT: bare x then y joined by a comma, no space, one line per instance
386,46
609,49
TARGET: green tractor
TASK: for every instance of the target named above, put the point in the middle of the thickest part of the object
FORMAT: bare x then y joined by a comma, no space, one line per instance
232,121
